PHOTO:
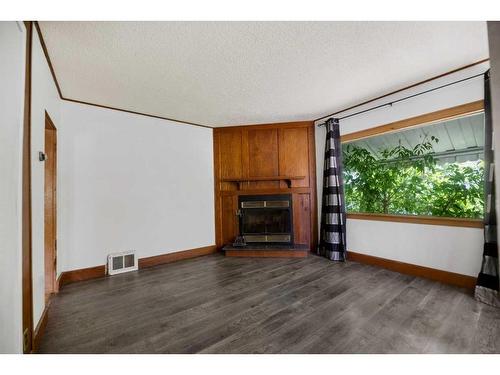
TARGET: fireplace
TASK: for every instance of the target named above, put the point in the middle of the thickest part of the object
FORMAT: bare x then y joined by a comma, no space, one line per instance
266,218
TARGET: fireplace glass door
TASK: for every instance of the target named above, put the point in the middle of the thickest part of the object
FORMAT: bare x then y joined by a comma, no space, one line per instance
266,218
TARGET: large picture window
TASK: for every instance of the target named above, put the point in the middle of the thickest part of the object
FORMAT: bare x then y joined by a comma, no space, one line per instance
434,169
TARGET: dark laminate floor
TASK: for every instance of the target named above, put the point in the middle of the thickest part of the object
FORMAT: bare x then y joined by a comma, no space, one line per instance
215,304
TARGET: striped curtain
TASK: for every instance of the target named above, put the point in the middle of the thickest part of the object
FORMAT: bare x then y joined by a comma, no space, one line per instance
332,244
487,288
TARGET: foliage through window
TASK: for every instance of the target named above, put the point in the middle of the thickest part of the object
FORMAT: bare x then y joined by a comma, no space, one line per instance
432,170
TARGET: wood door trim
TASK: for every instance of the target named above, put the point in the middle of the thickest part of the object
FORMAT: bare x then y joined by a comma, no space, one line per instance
27,286
427,220
50,207
451,278
425,119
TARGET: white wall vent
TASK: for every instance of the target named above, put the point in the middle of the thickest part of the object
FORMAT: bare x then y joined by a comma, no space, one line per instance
122,262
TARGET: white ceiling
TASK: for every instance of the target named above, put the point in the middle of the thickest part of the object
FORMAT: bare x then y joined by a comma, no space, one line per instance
233,73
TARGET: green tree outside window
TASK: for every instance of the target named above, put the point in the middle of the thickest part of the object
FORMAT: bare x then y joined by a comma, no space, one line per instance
410,181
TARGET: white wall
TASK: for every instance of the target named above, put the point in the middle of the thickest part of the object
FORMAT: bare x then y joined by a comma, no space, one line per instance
12,57
451,249
124,182
44,97
130,182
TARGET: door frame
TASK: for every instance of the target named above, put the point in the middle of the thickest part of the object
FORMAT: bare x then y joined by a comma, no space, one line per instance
27,289
50,208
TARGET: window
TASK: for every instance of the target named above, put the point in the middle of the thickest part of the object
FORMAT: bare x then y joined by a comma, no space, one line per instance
433,169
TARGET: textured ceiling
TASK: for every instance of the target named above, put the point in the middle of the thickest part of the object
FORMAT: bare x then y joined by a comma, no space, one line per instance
232,73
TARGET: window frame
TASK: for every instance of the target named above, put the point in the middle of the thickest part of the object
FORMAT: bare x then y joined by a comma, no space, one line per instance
425,119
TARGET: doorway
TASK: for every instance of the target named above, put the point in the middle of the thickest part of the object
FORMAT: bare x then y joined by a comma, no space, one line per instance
50,207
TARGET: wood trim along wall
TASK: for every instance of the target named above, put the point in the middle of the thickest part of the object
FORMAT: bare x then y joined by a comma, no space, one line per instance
49,62
427,220
52,71
51,67
451,278
425,119
82,274
174,257
137,113
283,125
268,253
406,87
27,288
40,329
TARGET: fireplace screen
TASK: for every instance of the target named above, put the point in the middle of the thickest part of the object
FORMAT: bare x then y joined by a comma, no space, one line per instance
266,218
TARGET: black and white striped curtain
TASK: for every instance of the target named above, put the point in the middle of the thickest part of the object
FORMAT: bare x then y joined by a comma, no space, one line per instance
332,244
487,288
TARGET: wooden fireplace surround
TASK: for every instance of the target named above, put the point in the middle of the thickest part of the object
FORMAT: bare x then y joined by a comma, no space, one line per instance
266,159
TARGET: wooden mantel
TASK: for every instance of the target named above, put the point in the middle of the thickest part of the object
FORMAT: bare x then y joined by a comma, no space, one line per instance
287,179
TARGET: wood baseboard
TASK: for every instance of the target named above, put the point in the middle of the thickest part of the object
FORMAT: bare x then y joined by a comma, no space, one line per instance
174,257
451,278
268,253
82,274
40,328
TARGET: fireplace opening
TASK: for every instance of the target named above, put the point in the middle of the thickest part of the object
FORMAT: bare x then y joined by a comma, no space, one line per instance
266,218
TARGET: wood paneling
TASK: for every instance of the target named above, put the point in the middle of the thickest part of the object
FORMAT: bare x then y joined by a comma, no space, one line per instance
262,156
301,218
230,153
229,206
294,154
283,151
463,281
428,220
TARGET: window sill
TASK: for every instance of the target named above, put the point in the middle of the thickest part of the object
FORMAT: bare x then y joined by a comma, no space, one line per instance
428,220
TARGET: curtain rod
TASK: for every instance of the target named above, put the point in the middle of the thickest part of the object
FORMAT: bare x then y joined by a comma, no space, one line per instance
405,98
406,88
